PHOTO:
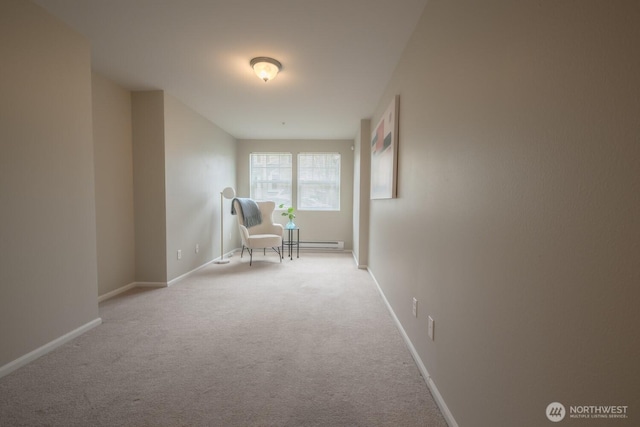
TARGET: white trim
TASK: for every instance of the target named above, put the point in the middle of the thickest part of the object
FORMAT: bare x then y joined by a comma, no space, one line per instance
116,292
184,276
177,279
158,284
151,284
227,254
52,345
361,266
448,416
41,351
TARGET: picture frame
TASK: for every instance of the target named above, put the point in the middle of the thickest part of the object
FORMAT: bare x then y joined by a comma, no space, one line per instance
384,153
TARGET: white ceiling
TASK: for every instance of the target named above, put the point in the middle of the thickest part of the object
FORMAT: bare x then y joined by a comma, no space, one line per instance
337,56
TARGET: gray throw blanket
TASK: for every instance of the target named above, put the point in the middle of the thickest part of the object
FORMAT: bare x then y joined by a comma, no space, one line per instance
249,210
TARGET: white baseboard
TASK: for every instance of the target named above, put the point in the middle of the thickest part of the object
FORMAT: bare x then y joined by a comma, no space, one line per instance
29,357
151,284
125,288
361,266
448,416
52,345
116,292
355,259
158,284
227,255
185,275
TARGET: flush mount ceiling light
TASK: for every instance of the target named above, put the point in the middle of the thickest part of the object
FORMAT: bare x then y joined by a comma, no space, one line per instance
265,68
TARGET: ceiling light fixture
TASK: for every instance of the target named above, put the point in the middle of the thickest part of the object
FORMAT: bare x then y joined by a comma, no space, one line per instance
265,68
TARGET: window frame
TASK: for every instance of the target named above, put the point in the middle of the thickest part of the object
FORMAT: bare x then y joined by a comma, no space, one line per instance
300,183
252,192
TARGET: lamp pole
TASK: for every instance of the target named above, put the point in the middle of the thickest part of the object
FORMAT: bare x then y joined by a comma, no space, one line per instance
227,193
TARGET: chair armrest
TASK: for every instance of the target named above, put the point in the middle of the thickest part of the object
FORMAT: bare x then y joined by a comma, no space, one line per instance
276,229
279,229
244,233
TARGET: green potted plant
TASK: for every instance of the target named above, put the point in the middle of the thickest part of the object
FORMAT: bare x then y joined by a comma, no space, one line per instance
288,213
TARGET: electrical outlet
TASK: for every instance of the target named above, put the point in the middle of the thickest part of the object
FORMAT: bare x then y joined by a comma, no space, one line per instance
179,254
430,328
415,307
197,248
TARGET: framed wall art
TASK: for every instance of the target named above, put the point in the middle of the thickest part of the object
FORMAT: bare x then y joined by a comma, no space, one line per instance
384,153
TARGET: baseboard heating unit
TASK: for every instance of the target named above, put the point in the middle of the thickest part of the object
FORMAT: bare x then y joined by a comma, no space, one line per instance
328,246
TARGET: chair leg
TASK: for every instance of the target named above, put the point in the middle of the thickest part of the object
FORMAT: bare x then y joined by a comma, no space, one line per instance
277,250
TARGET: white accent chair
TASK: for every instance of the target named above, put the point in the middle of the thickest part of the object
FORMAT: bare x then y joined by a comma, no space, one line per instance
261,236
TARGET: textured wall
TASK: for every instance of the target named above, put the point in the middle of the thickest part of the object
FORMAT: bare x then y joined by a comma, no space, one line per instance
112,139
48,273
516,224
200,163
149,186
361,192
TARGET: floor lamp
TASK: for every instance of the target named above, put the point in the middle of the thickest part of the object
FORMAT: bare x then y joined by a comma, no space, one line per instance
227,193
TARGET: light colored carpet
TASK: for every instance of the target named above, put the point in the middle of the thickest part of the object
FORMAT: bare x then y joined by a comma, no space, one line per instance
307,342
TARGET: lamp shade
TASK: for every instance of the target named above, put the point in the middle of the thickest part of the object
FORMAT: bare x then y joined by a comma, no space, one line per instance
266,68
228,193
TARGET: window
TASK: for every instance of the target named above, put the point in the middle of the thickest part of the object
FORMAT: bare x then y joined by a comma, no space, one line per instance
319,181
271,177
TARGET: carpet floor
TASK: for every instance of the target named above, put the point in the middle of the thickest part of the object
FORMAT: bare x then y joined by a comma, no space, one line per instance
307,342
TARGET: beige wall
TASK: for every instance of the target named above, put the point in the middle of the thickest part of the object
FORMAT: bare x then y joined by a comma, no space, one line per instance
516,223
149,186
314,225
181,163
48,273
200,163
112,141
